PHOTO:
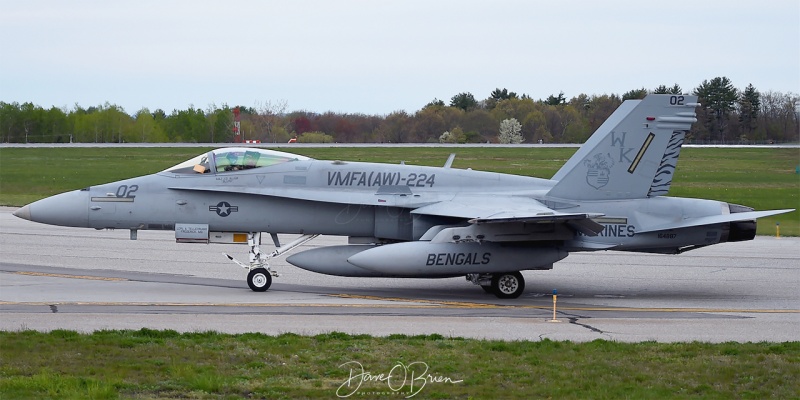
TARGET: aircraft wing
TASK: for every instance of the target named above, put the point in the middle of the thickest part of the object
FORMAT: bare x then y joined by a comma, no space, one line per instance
480,210
341,196
714,219
477,209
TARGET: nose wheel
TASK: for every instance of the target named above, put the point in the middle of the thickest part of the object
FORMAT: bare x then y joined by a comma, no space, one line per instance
259,279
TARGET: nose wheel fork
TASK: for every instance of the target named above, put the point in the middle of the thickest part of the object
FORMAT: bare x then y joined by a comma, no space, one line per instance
259,276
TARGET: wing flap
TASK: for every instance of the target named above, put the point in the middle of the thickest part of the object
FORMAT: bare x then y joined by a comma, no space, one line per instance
481,210
539,218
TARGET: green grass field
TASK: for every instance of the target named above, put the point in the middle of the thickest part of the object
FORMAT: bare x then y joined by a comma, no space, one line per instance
758,178
166,364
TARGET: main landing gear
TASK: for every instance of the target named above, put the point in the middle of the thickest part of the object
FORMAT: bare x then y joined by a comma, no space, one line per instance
505,285
259,277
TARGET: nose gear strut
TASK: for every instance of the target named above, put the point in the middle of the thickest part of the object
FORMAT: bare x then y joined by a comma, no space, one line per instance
259,277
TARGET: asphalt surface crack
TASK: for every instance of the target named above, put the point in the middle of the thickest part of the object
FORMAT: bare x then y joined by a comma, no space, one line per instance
574,320
53,308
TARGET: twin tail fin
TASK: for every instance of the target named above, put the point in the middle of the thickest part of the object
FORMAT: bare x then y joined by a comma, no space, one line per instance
633,154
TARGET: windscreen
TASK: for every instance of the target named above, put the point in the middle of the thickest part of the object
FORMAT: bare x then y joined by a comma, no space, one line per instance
234,159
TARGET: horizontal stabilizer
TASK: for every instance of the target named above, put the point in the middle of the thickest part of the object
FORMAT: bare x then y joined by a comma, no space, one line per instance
715,219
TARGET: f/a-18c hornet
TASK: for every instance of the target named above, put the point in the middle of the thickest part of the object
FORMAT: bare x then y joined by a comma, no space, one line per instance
409,221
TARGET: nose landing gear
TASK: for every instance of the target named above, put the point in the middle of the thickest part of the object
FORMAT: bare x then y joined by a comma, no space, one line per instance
259,277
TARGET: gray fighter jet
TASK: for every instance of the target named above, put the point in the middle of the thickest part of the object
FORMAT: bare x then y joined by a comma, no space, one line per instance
426,222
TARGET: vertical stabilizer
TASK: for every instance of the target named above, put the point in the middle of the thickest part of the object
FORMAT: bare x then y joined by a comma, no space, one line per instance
633,154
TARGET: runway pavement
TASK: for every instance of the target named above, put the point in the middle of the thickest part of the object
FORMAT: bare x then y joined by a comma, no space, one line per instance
84,279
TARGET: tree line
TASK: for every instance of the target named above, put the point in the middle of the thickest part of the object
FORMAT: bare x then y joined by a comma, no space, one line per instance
726,115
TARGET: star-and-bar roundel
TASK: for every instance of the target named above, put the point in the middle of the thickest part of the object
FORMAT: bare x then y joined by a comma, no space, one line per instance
223,208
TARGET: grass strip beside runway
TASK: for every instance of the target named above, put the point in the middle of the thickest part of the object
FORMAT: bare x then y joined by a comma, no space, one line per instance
166,364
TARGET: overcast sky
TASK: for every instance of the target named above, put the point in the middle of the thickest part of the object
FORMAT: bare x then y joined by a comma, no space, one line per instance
375,57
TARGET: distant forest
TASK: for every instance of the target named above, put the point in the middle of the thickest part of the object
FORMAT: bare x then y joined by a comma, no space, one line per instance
727,115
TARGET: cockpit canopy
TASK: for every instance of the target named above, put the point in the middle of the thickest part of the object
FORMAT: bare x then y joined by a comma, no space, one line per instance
233,159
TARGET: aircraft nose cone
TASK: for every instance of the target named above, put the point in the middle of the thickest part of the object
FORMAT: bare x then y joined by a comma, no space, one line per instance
24,213
65,209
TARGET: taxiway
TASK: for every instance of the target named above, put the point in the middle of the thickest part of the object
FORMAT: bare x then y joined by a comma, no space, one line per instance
85,280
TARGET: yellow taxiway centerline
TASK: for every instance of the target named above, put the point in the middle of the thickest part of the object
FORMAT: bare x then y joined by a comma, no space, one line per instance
92,278
456,304
172,304
431,304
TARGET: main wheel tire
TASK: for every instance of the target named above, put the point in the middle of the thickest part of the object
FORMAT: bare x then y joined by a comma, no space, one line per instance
508,285
259,280
487,289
